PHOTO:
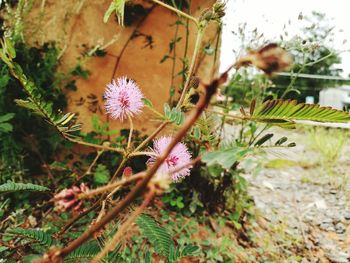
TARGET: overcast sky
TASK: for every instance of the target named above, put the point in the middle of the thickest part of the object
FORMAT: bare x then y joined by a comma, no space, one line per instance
270,17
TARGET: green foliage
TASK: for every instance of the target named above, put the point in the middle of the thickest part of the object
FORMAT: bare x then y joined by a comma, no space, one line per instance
226,157
17,187
174,115
36,102
158,236
33,235
174,200
284,112
6,127
162,241
101,175
85,251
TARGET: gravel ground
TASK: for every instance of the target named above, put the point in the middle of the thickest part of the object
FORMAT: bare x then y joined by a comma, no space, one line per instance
310,198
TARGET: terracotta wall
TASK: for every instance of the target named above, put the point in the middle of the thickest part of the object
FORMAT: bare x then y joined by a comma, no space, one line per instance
78,26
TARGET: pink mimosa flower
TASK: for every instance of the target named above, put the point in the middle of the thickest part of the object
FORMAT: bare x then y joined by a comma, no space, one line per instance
67,198
178,157
123,97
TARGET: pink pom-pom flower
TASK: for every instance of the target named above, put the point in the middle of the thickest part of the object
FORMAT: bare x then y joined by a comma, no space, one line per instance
178,157
123,97
68,198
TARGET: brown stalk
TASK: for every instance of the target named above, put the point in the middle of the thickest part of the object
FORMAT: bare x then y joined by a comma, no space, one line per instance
124,227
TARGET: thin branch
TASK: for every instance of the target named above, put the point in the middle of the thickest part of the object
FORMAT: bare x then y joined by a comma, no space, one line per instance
97,146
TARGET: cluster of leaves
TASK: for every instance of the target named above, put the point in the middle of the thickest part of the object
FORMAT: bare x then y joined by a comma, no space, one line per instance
23,135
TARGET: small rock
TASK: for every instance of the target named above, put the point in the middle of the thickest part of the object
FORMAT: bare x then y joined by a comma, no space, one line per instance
327,226
339,257
333,191
347,215
340,228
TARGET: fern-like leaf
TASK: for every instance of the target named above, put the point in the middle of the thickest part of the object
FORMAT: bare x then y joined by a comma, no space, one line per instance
157,235
284,112
33,235
17,187
85,251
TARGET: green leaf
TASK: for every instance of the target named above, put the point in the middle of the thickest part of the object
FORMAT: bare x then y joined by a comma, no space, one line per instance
16,187
281,141
197,133
33,234
190,250
6,127
226,158
147,102
283,113
6,117
85,251
174,115
157,235
101,175
164,59
263,139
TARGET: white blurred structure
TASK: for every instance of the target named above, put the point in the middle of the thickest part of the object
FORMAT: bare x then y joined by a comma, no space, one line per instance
338,98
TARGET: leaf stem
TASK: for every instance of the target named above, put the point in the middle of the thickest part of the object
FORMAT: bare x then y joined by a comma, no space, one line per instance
192,66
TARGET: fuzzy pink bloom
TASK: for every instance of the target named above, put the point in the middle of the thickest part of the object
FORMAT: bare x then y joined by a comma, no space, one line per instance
67,198
123,97
178,157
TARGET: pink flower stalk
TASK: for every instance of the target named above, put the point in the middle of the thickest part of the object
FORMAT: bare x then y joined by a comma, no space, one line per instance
178,157
67,198
123,97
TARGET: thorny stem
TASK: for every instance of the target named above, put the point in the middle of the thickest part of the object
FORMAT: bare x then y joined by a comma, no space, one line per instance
130,133
77,217
88,171
174,41
111,186
123,228
120,167
192,66
210,90
97,146
143,153
152,136
184,61
179,12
